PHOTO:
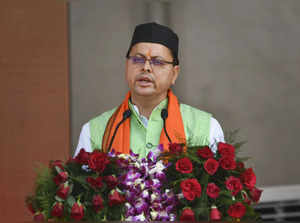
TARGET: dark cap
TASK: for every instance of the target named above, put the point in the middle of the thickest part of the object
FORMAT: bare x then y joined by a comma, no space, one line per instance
156,33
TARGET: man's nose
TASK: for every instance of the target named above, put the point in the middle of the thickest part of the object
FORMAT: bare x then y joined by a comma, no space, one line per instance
147,67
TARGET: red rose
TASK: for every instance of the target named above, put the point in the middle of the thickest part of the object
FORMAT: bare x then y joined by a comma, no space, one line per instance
227,163
240,165
63,191
95,183
190,188
97,202
234,185
98,161
237,210
82,157
184,165
111,181
187,215
205,152
212,190
39,217
175,148
77,211
255,194
57,180
57,210
248,178
60,178
189,195
63,176
56,163
211,166
225,149
115,198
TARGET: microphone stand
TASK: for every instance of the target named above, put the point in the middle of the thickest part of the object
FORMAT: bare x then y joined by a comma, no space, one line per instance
126,115
164,115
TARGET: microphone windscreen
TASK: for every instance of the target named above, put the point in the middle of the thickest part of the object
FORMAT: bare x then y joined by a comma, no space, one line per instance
127,114
164,113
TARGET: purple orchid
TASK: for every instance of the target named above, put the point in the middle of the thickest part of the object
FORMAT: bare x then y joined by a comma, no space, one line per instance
142,183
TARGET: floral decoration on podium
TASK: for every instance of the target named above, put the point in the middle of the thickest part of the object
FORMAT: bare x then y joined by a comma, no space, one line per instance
186,184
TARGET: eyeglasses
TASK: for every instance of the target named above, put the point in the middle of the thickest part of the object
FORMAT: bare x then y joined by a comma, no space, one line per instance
139,60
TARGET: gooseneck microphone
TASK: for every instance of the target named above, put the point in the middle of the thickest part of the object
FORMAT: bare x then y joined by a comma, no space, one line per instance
126,115
164,115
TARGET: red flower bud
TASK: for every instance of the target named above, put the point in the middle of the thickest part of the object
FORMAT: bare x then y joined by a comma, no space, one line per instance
63,191
237,210
39,216
57,210
115,198
97,202
175,148
30,208
61,178
215,214
56,180
98,161
111,181
187,215
248,178
225,149
82,157
77,211
95,183
205,152
57,163
255,194
240,165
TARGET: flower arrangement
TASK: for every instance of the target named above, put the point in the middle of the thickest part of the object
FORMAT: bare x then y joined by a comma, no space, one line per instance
142,183
83,188
211,186
192,184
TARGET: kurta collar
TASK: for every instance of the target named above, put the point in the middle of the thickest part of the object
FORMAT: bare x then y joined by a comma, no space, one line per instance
155,115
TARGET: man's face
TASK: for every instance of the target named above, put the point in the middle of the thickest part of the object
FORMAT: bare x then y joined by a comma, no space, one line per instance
150,79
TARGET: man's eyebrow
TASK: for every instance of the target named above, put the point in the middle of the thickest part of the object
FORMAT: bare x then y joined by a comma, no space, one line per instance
140,54
159,57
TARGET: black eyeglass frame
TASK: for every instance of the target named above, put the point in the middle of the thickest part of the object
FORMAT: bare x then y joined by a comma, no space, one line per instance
174,62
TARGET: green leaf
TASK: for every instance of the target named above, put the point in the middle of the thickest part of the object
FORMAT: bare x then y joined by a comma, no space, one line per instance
204,179
71,188
58,169
196,160
70,201
59,199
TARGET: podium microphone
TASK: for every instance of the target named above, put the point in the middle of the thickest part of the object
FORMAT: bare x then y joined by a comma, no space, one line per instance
164,115
126,115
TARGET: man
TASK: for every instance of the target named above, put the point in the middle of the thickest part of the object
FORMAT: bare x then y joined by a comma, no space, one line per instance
150,113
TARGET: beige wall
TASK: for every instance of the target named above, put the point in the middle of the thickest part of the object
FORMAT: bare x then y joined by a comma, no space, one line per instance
100,34
240,61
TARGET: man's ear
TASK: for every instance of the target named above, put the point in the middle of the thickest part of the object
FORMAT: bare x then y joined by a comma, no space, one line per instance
126,63
176,70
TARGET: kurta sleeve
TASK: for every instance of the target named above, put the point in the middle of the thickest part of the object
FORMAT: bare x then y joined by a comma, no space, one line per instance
84,140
